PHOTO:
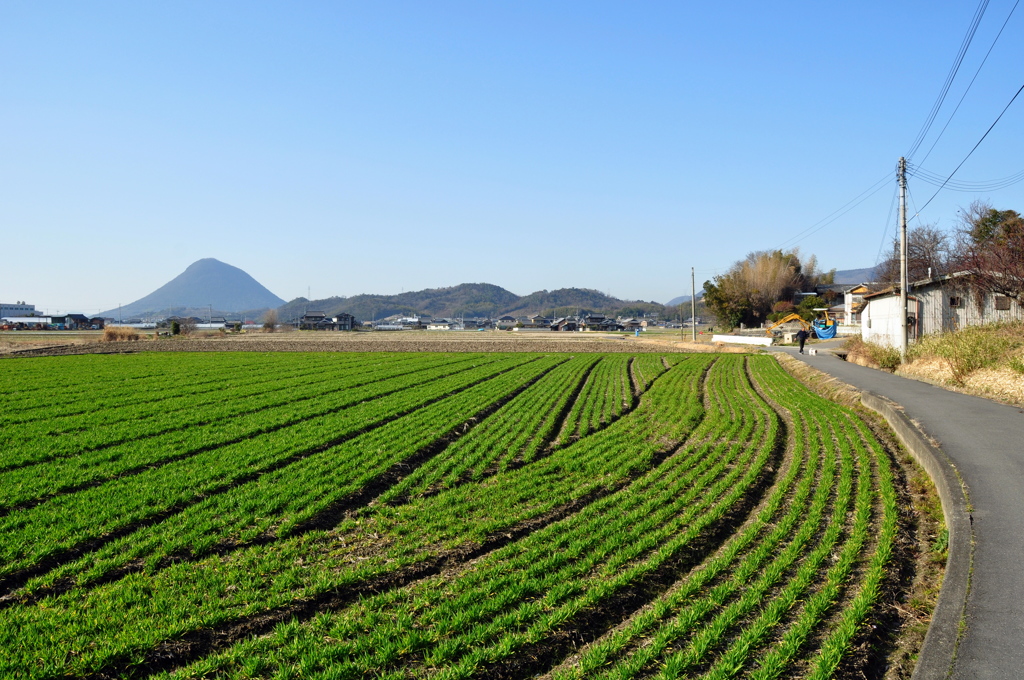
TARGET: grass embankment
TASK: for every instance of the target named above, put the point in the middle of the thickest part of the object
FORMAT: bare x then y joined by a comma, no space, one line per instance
984,360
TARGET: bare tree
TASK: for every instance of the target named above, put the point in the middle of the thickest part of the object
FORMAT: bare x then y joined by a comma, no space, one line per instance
752,286
990,245
929,254
270,321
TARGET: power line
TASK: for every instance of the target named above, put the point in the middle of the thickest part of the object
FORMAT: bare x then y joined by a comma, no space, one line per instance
885,232
960,185
835,215
970,84
973,148
971,30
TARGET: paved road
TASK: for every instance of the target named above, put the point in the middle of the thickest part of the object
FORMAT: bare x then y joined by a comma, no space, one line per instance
985,441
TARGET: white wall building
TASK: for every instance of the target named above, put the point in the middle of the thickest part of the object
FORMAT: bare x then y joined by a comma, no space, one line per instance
12,309
940,304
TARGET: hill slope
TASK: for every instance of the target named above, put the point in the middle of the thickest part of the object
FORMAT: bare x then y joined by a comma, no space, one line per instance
853,276
204,283
468,300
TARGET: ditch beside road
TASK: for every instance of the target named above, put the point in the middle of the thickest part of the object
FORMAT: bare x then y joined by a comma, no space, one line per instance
984,440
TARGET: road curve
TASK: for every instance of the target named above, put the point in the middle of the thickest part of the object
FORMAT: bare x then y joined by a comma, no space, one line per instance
984,440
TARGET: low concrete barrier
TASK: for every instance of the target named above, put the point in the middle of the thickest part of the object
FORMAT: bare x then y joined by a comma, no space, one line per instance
742,340
939,649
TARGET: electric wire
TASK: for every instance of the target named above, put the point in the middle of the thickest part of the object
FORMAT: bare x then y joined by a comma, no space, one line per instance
960,185
973,149
970,84
888,221
836,214
968,38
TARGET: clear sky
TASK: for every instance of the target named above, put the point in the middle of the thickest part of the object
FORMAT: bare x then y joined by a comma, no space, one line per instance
375,147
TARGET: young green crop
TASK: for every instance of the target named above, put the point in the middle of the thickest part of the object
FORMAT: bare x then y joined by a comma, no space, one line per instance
665,531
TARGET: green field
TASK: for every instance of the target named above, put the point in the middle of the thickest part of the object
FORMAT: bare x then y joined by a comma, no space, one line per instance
322,515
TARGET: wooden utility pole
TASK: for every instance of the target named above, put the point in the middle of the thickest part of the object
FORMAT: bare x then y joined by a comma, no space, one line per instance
901,175
693,305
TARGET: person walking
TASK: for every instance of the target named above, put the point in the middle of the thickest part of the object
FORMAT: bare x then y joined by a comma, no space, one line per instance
802,338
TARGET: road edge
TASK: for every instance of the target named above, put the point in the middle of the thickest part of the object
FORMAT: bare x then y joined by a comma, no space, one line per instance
938,653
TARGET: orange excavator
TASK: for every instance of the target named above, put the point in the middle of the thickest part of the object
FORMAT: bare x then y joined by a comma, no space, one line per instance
786,319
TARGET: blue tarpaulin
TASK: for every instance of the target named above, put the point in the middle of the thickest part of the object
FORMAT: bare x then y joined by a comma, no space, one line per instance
824,332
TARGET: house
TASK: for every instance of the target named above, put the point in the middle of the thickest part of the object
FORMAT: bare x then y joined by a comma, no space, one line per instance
74,322
941,303
853,303
313,320
564,324
440,325
345,322
631,324
539,321
506,321
599,322
880,318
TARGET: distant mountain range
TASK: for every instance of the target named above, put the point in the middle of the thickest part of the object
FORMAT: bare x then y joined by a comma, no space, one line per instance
470,300
210,287
684,298
852,276
204,284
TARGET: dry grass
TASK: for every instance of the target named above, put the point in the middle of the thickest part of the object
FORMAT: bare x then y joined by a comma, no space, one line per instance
983,360
872,354
120,334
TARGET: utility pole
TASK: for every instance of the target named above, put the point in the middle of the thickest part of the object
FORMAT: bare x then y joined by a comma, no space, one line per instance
901,175
693,305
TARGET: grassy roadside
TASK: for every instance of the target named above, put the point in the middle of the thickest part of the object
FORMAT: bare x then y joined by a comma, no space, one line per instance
986,361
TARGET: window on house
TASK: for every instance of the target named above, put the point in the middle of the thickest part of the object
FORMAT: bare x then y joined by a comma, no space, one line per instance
955,301
1002,302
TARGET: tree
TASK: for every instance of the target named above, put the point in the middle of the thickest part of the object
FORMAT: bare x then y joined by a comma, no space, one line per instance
270,321
749,290
928,254
990,245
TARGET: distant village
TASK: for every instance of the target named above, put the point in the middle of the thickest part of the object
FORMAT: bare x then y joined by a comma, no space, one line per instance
936,304
23,316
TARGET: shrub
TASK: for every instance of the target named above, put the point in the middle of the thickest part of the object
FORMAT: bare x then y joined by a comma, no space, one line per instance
1017,364
119,334
783,307
887,358
175,327
969,349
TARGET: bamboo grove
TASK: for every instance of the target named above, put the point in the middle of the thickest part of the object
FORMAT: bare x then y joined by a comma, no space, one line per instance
434,516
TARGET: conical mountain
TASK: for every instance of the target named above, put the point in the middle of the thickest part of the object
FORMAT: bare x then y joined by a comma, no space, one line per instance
207,282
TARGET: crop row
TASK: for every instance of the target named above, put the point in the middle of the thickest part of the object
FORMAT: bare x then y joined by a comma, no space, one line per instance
606,395
63,522
259,579
675,540
52,436
132,379
287,499
108,453
753,608
194,393
516,432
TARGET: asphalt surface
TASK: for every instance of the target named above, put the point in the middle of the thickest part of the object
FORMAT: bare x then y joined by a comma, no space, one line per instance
985,441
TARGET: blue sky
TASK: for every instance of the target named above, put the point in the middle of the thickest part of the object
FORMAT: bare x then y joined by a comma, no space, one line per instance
346,148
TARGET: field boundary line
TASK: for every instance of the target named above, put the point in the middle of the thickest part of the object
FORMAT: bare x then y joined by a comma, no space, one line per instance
938,653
